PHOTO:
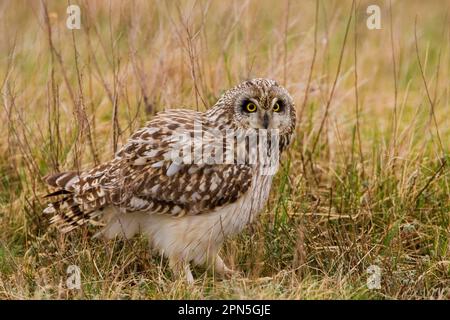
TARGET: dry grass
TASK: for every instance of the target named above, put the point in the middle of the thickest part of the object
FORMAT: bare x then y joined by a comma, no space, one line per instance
366,181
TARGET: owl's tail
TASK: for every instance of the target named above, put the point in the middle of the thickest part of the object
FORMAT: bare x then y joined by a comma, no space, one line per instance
67,213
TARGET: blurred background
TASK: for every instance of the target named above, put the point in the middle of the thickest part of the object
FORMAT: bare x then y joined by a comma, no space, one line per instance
365,183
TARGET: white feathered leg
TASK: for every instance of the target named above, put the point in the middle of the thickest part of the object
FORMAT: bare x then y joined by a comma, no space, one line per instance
182,269
221,268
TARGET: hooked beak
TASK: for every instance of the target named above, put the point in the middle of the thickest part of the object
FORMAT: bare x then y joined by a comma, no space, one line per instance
266,121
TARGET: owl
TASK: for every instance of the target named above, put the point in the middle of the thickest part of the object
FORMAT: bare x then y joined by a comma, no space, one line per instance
186,196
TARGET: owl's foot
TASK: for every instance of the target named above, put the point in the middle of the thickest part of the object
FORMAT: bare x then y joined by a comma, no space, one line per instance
182,270
221,268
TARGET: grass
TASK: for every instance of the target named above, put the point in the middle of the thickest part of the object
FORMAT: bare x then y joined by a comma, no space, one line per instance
366,181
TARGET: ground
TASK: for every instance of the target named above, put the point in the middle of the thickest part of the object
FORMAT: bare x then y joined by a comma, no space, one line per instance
363,194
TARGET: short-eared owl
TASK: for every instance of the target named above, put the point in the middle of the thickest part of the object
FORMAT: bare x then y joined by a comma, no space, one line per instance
185,208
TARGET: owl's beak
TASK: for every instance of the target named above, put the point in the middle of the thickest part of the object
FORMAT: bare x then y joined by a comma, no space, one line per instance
265,120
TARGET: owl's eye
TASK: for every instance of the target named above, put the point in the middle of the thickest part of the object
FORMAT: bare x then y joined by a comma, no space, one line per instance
277,107
250,107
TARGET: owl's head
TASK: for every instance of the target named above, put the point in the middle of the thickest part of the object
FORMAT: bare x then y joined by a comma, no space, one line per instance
260,104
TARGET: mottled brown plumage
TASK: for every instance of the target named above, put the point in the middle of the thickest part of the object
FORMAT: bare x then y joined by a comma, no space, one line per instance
187,209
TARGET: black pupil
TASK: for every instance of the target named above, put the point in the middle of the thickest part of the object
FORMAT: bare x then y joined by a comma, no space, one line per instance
278,106
249,106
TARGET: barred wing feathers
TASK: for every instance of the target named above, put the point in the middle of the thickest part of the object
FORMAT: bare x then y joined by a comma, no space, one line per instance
143,178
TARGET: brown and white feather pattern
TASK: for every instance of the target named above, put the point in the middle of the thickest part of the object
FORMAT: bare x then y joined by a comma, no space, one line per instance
141,178
187,210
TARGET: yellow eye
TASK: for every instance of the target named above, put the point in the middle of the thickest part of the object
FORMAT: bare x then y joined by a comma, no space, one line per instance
250,107
277,107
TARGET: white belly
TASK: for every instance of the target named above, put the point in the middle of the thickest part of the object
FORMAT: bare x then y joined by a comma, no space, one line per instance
194,238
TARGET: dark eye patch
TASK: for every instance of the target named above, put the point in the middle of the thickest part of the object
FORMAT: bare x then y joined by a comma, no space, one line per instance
279,106
248,106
